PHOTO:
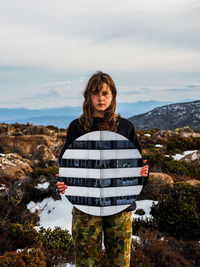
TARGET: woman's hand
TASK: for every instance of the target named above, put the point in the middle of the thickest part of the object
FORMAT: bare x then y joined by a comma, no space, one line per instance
144,170
61,186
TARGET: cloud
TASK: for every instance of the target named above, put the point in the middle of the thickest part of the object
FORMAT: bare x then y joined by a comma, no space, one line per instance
55,46
67,36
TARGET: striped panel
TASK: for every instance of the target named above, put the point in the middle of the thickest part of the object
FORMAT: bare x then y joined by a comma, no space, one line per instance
101,183
104,192
102,171
101,136
100,164
102,145
102,211
101,154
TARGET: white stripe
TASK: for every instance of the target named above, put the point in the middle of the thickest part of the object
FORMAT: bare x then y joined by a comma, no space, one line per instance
99,173
103,192
101,136
101,211
101,154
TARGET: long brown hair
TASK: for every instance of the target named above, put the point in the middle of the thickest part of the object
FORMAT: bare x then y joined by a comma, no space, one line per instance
110,121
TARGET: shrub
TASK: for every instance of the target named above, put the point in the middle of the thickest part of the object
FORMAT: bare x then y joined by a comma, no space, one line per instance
183,143
44,171
14,236
147,223
159,163
31,257
178,213
153,250
54,239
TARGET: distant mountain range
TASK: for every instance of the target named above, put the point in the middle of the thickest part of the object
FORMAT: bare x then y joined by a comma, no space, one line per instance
61,117
170,117
147,115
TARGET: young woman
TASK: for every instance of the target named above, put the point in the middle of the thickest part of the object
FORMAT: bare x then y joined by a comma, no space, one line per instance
99,114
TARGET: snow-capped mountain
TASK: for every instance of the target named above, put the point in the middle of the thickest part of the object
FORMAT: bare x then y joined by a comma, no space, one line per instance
170,117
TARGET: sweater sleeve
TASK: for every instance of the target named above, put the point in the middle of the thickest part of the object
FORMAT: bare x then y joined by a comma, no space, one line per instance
133,137
68,141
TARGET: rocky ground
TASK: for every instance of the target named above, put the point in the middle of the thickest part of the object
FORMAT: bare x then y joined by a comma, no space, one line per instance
29,156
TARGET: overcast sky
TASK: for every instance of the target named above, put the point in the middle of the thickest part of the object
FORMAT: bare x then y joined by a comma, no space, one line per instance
49,49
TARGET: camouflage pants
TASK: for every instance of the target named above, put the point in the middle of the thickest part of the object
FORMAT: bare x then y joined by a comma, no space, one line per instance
87,235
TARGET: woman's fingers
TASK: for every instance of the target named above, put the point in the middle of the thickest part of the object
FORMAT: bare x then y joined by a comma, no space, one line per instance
61,187
144,170
145,161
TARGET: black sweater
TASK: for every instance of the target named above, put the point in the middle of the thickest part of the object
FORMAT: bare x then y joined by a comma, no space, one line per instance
125,128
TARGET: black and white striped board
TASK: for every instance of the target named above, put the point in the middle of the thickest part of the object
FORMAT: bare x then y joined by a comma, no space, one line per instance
101,170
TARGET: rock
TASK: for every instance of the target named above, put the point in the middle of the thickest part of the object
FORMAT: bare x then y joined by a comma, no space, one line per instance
41,130
193,182
25,146
17,189
44,155
12,166
159,184
193,157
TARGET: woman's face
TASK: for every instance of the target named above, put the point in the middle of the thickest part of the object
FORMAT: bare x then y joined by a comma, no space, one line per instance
101,100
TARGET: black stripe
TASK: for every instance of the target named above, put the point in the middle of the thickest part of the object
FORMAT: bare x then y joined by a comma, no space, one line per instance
101,164
102,183
103,202
102,145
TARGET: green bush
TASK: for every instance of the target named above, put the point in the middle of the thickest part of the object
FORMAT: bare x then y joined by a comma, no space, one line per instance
158,162
178,213
54,239
183,143
147,223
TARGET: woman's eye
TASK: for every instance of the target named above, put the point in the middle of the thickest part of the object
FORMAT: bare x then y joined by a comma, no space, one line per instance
105,93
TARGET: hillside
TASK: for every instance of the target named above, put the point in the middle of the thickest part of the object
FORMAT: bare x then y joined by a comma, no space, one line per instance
170,117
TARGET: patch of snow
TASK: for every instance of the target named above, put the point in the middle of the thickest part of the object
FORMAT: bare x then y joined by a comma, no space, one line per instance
180,156
53,212
2,155
58,213
2,187
158,145
43,185
147,135
65,265
167,156
136,238
146,206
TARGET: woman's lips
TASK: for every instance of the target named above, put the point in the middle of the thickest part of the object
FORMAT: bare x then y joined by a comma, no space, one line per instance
101,104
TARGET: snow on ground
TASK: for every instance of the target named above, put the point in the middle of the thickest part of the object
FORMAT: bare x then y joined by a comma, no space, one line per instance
43,185
158,145
65,265
179,156
146,206
2,186
147,135
53,212
58,212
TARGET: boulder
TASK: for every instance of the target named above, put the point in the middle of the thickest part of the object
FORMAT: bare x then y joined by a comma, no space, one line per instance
12,166
193,157
193,182
41,130
159,184
25,146
43,155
